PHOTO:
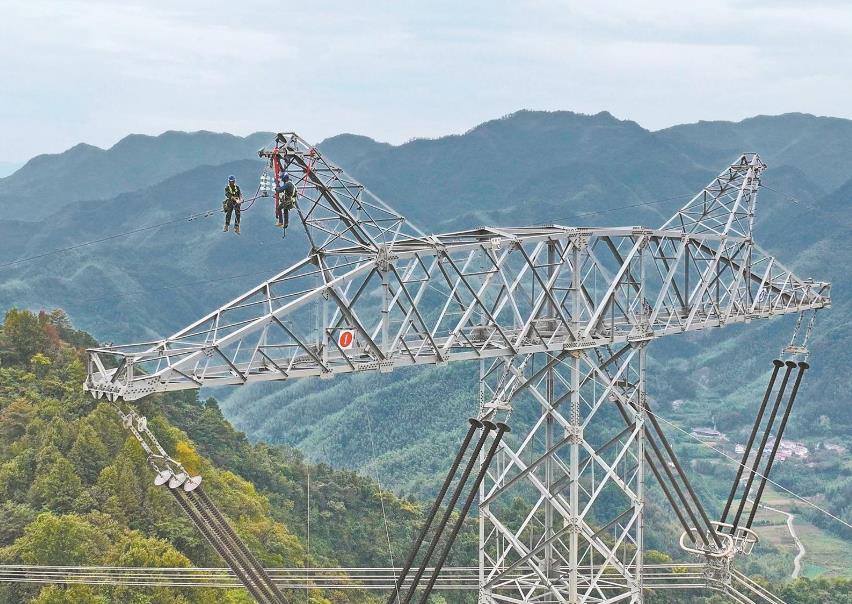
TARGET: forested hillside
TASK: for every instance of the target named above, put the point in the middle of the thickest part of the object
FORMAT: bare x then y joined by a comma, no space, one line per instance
75,489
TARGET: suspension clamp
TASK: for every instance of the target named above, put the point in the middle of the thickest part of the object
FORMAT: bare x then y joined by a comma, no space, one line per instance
498,405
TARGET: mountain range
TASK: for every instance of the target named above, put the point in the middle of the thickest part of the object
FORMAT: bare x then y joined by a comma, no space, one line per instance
529,167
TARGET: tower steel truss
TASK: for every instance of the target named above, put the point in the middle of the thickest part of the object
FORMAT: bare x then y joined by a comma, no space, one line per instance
559,318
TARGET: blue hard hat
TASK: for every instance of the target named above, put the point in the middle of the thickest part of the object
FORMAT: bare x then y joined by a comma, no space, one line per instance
232,178
285,176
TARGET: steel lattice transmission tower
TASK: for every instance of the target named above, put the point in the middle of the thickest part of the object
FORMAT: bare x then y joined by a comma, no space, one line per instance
559,319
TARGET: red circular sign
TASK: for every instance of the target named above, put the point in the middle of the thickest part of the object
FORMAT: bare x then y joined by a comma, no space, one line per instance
345,339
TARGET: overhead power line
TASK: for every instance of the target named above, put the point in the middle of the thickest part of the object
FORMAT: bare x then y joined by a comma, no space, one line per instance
769,480
208,213
83,244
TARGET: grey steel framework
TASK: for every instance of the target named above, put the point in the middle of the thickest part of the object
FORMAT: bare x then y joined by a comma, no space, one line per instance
559,318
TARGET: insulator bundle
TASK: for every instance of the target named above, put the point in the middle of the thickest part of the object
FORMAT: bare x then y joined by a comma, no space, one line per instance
760,452
487,428
212,524
265,184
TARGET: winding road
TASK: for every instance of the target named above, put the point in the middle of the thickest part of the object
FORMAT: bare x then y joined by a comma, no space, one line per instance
797,561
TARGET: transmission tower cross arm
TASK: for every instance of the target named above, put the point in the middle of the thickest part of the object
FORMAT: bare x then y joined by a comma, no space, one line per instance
371,298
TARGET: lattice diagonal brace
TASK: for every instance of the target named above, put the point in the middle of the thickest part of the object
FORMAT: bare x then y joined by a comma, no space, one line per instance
516,299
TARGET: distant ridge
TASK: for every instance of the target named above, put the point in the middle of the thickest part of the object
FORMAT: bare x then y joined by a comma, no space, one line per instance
47,183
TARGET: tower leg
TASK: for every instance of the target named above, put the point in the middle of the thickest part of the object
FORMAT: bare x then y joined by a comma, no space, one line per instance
561,507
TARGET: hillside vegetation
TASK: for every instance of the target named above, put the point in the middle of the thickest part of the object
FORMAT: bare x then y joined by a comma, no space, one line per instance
75,488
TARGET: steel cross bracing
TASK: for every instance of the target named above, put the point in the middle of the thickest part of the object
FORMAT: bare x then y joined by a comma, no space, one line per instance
335,210
475,294
583,518
558,316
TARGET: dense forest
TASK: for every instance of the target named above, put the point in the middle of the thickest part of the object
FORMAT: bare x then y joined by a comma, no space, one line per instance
75,489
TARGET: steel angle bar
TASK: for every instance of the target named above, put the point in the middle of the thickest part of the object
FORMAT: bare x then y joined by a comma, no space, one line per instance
609,557
523,550
302,345
609,471
614,283
413,302
546,295
478,301
669,284
501,485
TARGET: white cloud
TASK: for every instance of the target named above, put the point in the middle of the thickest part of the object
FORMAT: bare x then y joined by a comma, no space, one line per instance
95,71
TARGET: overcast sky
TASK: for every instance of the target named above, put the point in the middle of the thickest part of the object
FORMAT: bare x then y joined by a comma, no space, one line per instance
95,71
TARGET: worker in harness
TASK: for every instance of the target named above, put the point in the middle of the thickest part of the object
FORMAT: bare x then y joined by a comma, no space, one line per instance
285,201
233,199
